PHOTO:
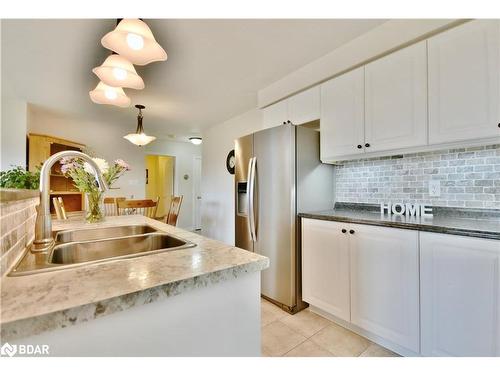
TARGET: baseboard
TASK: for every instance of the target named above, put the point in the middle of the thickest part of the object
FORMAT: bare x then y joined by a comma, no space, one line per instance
360,331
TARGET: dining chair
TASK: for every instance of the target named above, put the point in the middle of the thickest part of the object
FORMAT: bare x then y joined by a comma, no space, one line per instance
146,207
173,212
59,208
111,205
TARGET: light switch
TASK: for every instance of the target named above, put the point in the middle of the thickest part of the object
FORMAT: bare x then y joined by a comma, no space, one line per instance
434,188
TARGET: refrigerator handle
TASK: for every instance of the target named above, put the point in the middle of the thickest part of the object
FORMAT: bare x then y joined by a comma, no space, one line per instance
251,207
250,199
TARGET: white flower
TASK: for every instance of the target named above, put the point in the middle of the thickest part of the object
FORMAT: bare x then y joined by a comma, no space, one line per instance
101,163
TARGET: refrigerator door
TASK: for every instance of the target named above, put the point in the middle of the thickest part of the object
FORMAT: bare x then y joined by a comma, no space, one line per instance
243,152
274,154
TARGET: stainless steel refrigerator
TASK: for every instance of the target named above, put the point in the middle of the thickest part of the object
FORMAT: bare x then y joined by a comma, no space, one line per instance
278,173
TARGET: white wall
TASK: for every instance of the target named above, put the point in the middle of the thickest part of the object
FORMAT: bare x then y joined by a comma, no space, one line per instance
184,154
104,140
217,183
13,133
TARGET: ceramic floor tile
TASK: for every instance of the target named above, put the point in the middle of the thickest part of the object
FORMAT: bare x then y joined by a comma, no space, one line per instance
271,313
278,339
308,349
305,322
375,350
340,341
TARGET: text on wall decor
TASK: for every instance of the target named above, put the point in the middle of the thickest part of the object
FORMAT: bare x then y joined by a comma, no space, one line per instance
407,209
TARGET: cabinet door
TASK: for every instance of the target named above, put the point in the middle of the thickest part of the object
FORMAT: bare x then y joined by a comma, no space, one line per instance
275,114
460,288
464,88
38,151
325,266
396,100
304,107
342,116
385,283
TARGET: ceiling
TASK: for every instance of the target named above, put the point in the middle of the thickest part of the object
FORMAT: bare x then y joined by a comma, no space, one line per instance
213,72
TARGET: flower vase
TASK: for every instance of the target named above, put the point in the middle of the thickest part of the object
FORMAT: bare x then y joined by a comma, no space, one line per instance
95,207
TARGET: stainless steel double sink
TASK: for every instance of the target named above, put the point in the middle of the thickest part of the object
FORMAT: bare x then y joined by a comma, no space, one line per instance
83,246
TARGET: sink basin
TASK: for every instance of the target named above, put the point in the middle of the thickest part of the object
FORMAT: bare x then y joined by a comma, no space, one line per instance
82,252
75,248
101,233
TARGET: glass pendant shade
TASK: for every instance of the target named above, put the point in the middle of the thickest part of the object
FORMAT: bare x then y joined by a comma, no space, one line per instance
133,39
104,94
139,138
117,71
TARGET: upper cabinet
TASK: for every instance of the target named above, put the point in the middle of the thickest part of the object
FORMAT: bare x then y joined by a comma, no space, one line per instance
298,109
276,114
304,107
342,115
396,100
464,82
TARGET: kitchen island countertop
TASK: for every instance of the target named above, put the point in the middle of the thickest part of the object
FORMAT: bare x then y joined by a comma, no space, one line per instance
31,304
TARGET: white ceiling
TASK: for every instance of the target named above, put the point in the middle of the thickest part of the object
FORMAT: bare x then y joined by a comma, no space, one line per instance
213,72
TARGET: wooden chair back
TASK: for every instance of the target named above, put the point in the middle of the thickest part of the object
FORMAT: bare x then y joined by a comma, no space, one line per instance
146,207
173,212
59,208
111,205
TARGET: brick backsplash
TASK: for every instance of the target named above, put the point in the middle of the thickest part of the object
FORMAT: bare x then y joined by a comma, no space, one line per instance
470,177
17,230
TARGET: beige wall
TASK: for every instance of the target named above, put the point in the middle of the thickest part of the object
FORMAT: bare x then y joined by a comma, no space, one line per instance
105,140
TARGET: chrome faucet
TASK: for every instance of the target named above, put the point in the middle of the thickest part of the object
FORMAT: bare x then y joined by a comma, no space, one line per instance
43,227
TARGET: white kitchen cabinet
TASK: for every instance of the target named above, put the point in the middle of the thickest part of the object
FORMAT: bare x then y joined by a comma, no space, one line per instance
298,109
325,266
276,114
396,100
464,82
342,116
385,283
460,289
305,106
367,276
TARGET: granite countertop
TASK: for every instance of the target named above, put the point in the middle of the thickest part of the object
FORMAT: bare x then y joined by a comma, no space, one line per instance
31,304
449,221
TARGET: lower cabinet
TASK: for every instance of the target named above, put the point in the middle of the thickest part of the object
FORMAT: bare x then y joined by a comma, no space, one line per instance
460,289
384,283
325,267
365,275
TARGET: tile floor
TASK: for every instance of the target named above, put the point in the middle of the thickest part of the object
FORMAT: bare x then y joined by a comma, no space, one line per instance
307,334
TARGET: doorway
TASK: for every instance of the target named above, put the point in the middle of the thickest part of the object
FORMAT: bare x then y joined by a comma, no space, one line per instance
160,181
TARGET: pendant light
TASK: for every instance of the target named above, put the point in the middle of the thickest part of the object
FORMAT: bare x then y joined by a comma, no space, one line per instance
139,138
117,71
196,140
133,39
104,94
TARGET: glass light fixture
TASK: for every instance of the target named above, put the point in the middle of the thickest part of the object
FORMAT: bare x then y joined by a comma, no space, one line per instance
196,140
139,138
104,94
133,39
117,71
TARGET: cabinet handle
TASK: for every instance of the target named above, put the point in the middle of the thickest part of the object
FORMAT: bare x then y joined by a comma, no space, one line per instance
344,230
499,124
289,122
284,122
359,146
351,231
367,145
